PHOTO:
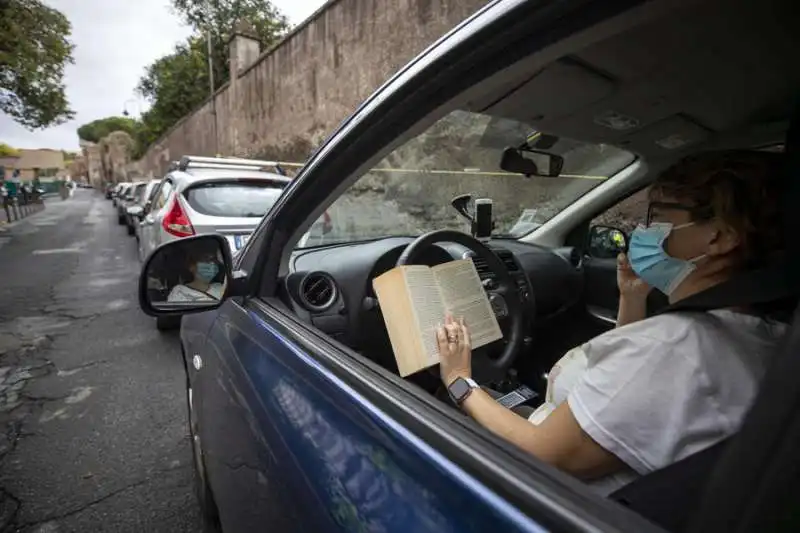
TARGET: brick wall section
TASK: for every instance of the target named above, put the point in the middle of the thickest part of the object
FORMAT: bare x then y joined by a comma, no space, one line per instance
297,93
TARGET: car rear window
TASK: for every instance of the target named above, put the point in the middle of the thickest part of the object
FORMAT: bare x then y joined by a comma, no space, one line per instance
234,198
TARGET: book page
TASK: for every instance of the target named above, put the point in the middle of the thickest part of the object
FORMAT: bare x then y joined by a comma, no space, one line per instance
428,306
463,296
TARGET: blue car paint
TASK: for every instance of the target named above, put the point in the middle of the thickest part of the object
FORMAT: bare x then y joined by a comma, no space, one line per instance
289,447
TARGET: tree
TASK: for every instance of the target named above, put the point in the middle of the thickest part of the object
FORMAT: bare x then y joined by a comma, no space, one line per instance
178,83
175,85
222,16
34,49
97,129
8,151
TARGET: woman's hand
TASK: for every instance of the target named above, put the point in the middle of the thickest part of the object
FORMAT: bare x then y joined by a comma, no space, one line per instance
630,285
455,350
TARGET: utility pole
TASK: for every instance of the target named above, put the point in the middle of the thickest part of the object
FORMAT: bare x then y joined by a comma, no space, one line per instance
211,80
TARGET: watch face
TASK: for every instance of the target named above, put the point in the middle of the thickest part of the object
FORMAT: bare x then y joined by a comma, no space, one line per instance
459,389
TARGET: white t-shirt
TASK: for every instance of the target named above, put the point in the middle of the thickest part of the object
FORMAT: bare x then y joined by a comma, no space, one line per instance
184,293
658,390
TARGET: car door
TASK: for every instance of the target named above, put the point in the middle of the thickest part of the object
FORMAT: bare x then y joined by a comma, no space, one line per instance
288,446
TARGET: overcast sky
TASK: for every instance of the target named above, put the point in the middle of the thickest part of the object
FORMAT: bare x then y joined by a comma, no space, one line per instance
114,41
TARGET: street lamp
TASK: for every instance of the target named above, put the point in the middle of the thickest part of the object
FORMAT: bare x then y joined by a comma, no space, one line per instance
125,106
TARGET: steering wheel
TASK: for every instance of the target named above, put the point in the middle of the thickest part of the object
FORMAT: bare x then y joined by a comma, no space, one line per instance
504,296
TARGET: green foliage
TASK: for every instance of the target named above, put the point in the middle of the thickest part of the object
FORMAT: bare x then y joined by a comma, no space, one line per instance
269,23
178,83
34,49
97,129
8,151
175,85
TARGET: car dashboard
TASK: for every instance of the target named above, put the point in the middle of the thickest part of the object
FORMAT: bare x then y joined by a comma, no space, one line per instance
331,286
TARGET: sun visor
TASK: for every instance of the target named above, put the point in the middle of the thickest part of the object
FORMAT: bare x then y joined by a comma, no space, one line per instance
670,135
560,89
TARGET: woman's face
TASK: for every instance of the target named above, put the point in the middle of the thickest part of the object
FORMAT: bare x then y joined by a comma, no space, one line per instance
694,233
205,267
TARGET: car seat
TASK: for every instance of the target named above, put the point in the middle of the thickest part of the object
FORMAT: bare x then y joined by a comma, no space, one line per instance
700,493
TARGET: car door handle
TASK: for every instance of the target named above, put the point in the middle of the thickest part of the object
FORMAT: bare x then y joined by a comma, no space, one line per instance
603,315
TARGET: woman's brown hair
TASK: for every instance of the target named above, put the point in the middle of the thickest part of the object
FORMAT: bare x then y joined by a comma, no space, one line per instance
740,188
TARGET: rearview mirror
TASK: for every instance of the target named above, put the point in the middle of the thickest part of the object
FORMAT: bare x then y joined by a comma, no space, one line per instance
189,275
531,162
606,242
135,210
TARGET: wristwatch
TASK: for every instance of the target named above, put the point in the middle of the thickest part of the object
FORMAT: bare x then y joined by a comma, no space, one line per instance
460,389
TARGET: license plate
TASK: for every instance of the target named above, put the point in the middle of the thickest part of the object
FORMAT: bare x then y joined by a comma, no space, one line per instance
240,240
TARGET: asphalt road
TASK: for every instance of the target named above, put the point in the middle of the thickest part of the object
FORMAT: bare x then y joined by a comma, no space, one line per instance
93,433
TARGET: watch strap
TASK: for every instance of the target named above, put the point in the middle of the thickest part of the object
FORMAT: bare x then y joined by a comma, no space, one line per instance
460,389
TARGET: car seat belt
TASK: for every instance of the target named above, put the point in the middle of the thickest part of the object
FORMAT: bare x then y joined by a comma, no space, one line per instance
761,286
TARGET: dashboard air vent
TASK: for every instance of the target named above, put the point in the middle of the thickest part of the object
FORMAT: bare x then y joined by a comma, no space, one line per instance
480,265
318,291
507,258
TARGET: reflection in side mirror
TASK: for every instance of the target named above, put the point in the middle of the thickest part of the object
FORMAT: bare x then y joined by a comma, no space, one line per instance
606,242
185,276
531,162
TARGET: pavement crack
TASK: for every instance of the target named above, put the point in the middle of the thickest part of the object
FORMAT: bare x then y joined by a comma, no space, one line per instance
87,505
9,509
75,369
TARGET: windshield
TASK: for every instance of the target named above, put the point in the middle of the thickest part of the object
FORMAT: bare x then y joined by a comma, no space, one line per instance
234,199
409,192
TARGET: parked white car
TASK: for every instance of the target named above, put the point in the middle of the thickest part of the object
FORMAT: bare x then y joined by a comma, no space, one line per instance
210,195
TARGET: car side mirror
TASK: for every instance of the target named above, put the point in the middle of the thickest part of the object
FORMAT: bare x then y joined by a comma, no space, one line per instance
190,275
530,162
606,242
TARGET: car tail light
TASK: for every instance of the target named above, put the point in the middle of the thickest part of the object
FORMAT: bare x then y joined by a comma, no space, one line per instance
176,222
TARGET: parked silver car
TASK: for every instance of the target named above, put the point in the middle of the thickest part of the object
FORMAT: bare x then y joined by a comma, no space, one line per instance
210,195
135,209
117,191
124,197
142,205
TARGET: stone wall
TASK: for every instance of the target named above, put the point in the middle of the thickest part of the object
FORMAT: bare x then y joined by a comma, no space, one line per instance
294,95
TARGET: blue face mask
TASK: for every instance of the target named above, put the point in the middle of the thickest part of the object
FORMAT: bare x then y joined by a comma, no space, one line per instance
206,271
652,263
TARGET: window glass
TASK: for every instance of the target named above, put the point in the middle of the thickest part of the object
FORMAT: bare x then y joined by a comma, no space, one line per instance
409,192
625,215
234,199
163,194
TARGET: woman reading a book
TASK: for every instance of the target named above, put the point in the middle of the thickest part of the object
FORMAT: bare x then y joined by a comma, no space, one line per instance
655,390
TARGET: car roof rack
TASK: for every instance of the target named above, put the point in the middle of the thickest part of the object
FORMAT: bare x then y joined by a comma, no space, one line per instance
189,162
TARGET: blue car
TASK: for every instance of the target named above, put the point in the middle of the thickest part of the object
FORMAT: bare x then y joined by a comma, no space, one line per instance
299,418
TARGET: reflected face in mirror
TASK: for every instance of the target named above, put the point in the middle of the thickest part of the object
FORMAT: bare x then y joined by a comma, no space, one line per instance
187,272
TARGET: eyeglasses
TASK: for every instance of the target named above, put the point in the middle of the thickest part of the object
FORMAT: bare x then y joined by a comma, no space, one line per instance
697,212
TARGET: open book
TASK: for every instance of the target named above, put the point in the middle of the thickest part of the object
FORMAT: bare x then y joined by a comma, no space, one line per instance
414,300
